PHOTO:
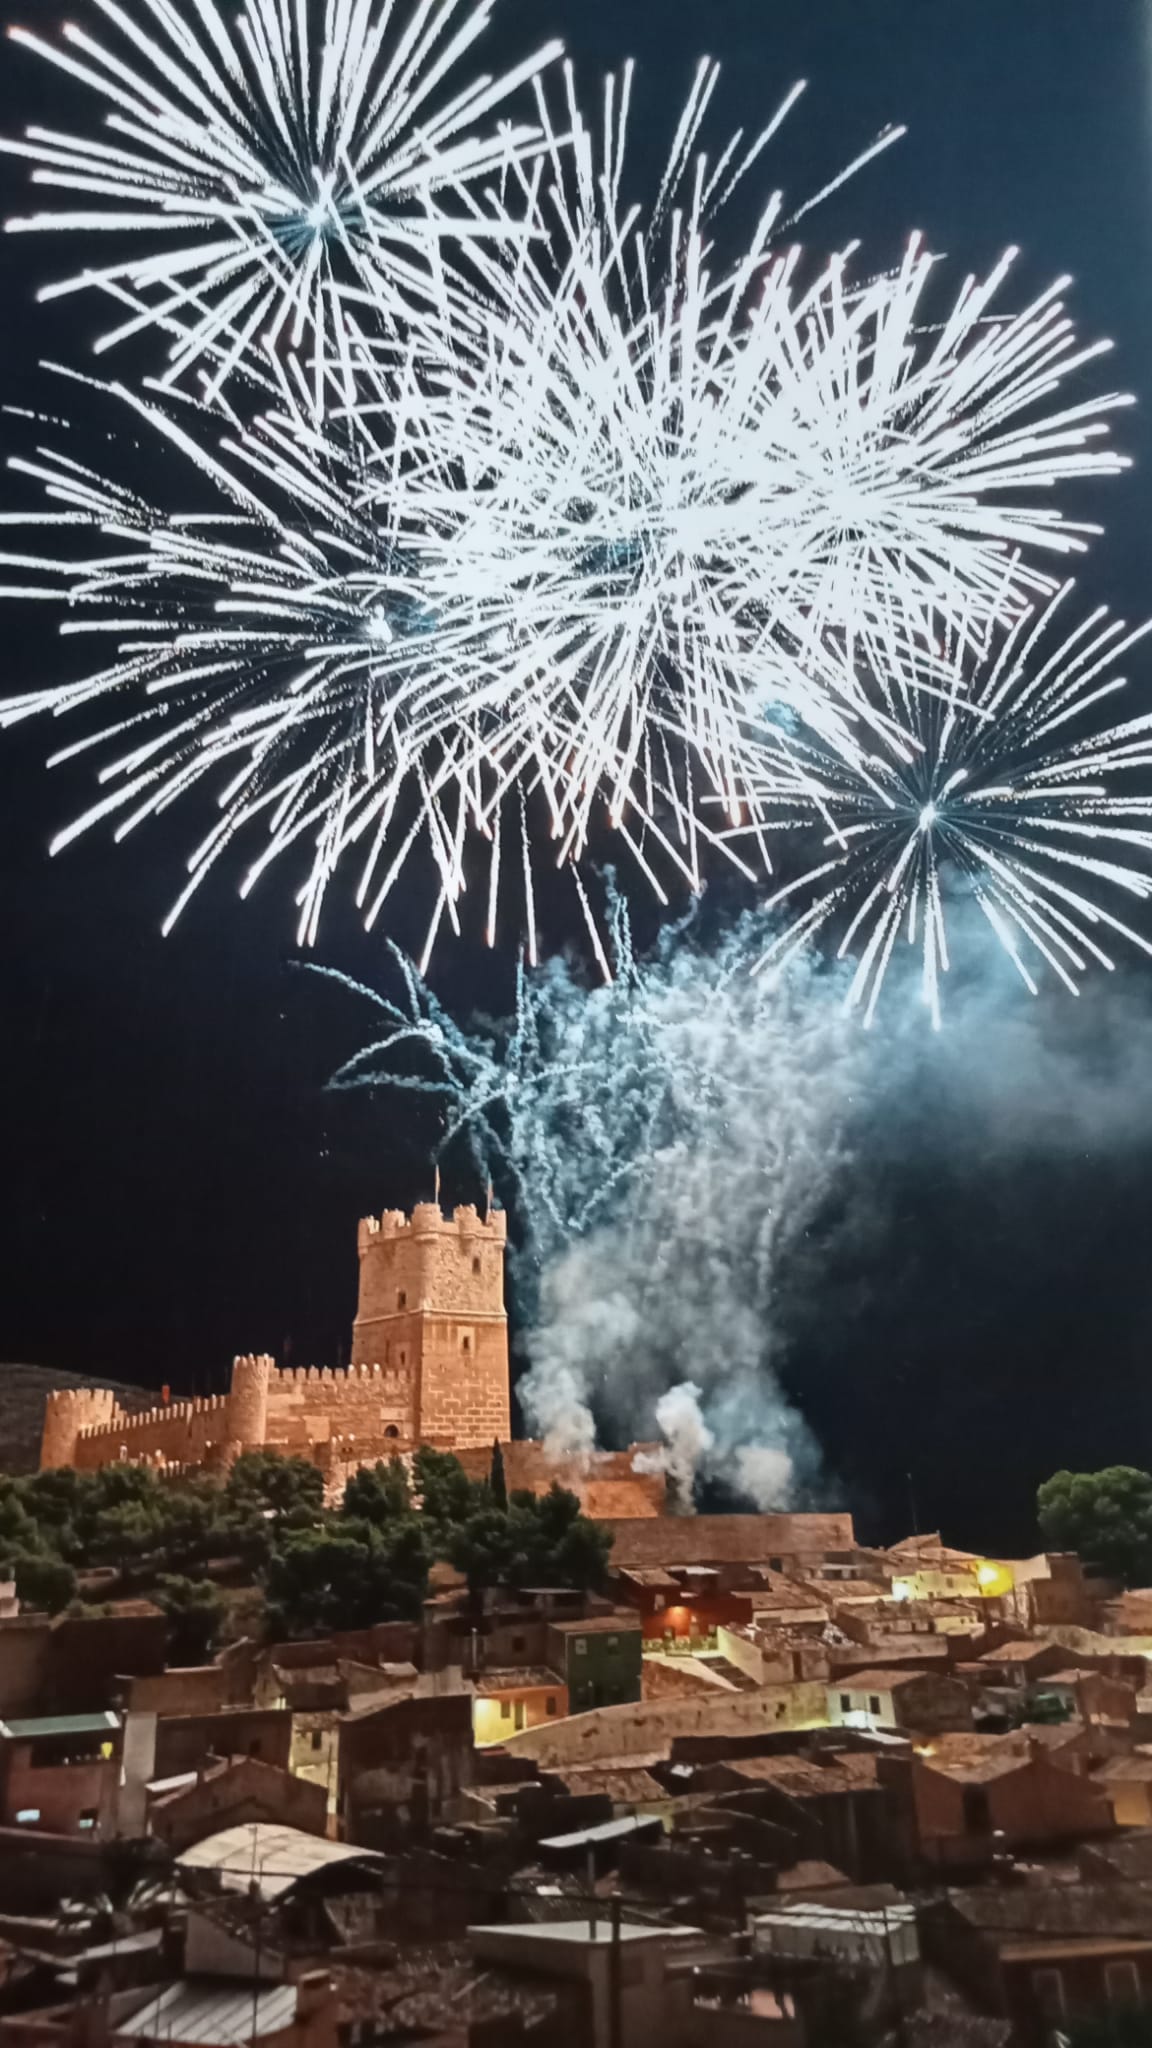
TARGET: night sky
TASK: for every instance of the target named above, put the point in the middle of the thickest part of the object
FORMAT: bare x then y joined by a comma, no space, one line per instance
175,1184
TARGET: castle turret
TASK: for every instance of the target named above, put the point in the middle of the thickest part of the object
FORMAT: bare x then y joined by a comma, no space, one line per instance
431,1310
248,1402
68,1412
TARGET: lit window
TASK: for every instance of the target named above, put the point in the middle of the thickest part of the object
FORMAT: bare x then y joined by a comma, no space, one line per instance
27,1816
88,1818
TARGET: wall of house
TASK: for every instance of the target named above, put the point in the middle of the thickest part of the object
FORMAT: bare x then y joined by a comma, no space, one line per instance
495,1716
183,1741
633,1730
1130,1800
250,1792
1035,1804
62,1794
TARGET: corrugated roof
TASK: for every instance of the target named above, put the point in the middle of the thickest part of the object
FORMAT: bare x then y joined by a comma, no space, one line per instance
271,1856
608,1831
60,1724
204,2012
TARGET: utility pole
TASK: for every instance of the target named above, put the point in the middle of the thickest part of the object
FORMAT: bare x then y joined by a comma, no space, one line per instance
615,1981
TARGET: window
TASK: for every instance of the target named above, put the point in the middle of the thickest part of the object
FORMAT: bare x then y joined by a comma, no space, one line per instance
775,1564
977,1814
476,1265
873,1703
1048,1989
317,1739
401,1299
88,1817
580,1646
517,1646
505,1710
845,1703
254,1747
27,1816
613,1642
392,1430
1122,1983
551,1703
465,1342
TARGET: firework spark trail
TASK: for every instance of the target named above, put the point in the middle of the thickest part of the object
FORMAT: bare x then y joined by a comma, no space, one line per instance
284,176
608,521
1020,788
663,1142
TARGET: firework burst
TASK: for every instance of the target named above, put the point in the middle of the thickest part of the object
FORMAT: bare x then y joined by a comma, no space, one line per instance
1016,790
280,169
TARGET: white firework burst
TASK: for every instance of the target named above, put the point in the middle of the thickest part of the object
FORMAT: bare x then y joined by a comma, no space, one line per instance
282,164
1021,791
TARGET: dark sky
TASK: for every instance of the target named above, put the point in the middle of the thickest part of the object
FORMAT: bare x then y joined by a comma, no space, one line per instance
175,1184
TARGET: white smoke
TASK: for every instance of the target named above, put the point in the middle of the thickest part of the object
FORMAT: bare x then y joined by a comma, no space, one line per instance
661,1312
687,1443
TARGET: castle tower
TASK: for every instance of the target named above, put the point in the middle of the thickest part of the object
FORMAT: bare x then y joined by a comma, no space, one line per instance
431,1311
248,1402
66,1413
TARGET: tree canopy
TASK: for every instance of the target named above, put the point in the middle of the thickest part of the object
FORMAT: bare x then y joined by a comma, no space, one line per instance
1105,1516
181,1540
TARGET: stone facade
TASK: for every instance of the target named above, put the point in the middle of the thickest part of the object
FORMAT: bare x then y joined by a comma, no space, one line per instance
429,1366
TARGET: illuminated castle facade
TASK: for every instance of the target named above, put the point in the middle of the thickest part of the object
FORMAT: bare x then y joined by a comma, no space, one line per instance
429,1366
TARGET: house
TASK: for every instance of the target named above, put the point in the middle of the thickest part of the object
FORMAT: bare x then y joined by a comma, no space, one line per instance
75,1663
1126,1782
849,1809
1021,1665
508,1702
231,1790
624,1983
60,1773
600,1660
925,1567
893,1697
968,1805
406,1760
1045,1957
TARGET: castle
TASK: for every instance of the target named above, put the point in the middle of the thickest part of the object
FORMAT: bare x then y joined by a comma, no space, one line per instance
429,1366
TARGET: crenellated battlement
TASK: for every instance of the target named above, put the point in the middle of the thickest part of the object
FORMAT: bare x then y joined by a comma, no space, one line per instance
428,1220
429,1365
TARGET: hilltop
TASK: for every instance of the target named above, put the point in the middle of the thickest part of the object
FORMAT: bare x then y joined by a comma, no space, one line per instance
24,1390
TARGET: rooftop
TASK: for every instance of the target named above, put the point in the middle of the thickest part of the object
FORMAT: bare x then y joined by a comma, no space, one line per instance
606,1831
272,1857
582,1934
59,1724
627,1623
202,2010
518,1678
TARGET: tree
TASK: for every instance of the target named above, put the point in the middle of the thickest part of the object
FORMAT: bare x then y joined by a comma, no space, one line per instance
1105,1516
447,1495
379,1493
195,1612
292,1489
536,1541
497,1478
347,1574
45,1582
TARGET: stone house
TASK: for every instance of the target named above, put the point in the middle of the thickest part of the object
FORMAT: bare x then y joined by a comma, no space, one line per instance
60,1774
968,1807
600,1659
895,1697
232,1790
